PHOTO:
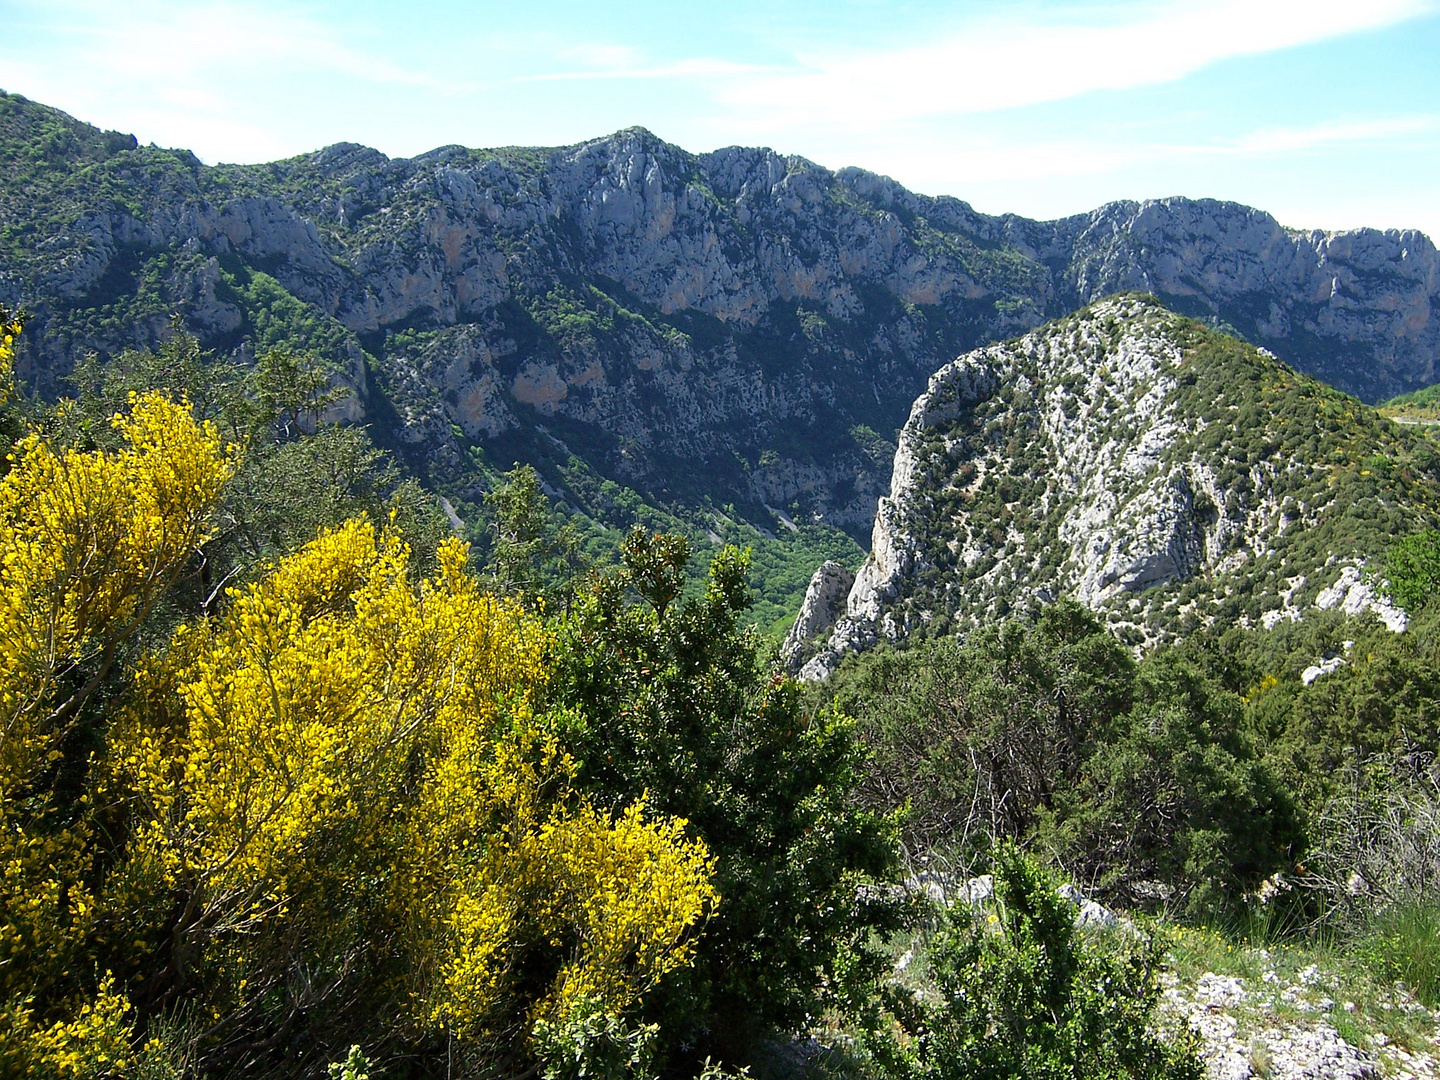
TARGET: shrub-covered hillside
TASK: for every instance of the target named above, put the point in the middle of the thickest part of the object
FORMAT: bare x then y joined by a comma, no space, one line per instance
1167,475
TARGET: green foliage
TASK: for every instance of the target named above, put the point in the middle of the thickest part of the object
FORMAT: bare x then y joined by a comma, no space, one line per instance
678,706
592,1043
1045,731
356,1066
1422,404
216,389
1412,569
1023,995
531,554
977,738
1383,701
293,390
1402,944
655,567
591,516
1174,794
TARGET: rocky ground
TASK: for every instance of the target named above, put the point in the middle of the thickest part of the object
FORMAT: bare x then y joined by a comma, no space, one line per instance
1292,1013
1284,1012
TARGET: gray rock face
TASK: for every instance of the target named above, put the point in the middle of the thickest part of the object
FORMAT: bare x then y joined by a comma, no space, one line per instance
1234,263
824,602
1091,459
737,324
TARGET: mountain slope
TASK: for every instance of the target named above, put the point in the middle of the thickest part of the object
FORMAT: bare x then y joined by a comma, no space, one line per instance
733,336
1165,474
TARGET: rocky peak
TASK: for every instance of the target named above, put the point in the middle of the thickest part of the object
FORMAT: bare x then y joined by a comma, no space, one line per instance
824,603
1164,474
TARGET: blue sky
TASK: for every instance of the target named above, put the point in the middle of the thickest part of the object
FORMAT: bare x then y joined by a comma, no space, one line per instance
1326,114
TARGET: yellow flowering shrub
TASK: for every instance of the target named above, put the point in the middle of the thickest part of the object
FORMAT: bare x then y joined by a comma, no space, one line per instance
88,542
339,725
95,1045
343,778
10,325
621,893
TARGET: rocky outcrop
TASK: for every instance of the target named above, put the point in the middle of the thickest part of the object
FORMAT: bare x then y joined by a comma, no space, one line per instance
1157,471
1354,595
824,602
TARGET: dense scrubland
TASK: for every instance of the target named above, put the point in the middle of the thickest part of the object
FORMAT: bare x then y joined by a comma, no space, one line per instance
295,782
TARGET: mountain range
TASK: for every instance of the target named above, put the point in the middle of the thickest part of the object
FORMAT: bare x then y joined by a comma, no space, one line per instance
735,337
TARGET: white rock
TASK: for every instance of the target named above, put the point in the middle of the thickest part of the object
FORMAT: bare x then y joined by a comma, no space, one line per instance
1354,596
824,601
978,889
1325,667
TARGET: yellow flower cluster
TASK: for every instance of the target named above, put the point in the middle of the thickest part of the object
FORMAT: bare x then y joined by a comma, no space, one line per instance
88,542
621,894
95,1045
338,723
9,330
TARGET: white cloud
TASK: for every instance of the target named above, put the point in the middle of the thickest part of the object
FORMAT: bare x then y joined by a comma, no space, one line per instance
1004,64
161,42
697,67
1067,158
195,75
1007,62
1289,140
254,80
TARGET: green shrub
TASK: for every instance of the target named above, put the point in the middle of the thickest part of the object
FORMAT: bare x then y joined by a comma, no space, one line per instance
681,709
356,1066
977,738
1023,994
591,1043
1046,732
1412,569
1174,794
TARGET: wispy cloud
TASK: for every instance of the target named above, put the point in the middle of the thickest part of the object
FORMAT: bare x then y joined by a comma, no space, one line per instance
1033,160
1008,61
161,42
1288,140
699,67
941,104
194,74
1004,63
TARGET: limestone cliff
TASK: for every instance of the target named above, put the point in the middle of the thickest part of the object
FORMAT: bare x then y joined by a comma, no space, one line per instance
741,324
824,603
1164,474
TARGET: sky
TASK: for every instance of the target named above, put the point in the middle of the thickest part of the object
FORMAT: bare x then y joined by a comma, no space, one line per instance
1324,113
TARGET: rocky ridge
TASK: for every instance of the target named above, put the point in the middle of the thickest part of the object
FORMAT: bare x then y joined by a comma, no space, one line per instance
741,324
1164,474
